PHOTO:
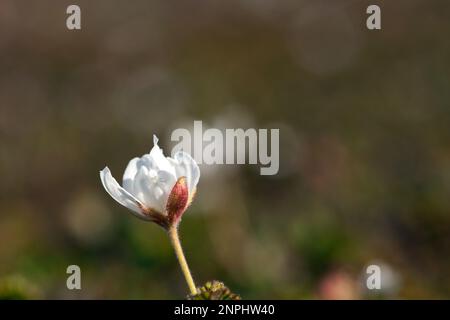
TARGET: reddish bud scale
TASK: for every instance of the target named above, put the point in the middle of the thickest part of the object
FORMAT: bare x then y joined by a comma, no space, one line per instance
178,201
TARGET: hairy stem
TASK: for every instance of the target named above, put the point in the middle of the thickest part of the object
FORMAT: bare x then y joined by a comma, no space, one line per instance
175,240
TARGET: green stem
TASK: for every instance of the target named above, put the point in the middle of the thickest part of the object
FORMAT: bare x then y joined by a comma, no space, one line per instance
175,240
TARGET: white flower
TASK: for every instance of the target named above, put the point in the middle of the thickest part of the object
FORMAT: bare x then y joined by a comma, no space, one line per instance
155,187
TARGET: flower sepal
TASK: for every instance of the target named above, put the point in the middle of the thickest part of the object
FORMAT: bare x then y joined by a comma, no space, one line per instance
177,202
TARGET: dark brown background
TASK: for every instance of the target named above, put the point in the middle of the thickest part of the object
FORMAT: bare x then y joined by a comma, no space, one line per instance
364,145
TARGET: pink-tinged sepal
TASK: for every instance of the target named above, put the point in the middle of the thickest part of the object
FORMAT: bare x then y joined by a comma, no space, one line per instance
178,201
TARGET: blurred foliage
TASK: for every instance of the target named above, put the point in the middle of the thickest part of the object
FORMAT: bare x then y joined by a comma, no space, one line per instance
17,288
364,146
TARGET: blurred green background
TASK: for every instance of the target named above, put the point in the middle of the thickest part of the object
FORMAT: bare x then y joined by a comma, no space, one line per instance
364,146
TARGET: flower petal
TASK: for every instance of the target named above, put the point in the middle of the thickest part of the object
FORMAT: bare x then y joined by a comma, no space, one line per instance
120,194
166,181
159,159
148,191
185,166
130,174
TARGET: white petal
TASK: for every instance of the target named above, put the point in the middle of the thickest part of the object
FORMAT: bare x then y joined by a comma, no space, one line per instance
130,174
159,159
147,190
186,166
148,162
166,181
120,194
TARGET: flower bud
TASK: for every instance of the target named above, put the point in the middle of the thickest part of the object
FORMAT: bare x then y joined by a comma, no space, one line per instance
214,290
